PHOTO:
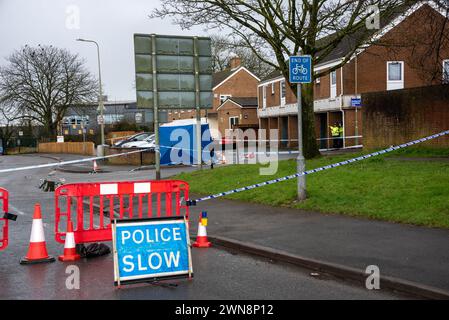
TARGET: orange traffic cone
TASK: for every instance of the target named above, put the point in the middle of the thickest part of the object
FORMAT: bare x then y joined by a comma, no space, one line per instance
69,245
37,251
201,238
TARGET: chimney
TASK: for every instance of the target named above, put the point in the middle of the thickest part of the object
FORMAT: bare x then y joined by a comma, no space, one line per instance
235,63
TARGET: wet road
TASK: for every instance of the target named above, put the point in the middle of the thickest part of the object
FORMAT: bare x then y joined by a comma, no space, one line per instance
219,274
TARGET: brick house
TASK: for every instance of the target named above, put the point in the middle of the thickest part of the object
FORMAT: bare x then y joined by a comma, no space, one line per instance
238,112
406,58
234,82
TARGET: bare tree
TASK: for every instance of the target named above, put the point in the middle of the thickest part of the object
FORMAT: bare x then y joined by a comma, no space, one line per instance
287,27
224,47
43,82
9,119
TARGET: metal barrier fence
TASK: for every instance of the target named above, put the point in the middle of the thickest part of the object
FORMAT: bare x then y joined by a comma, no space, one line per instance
4,195
92,206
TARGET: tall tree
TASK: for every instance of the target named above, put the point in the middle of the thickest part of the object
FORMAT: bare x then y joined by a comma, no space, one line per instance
225,47
41,83
9,120
287,27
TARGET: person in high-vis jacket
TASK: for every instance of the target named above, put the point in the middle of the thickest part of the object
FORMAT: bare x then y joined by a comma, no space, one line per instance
337,135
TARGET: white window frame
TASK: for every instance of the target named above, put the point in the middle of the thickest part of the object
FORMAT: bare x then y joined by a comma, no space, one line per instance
445,74
282,92
395,84
333,86
272,88
224,97
318,80
236,117
264,97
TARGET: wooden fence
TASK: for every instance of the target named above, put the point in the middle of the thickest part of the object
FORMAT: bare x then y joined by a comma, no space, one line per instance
84,148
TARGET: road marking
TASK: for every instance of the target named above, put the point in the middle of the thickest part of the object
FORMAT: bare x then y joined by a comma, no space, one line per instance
17,210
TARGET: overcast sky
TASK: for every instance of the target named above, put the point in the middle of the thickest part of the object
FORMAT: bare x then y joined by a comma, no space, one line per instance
111,23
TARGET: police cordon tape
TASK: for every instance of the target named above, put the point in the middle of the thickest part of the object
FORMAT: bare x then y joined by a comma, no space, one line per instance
57,164
62,163
331,166
265,152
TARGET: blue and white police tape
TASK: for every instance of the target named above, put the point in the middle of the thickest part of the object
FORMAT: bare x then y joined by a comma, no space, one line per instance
244,152
62,163
335,165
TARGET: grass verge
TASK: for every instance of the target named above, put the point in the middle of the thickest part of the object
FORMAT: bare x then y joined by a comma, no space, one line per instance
413,192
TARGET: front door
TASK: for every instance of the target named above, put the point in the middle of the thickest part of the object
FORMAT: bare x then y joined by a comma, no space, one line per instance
284,132
323,131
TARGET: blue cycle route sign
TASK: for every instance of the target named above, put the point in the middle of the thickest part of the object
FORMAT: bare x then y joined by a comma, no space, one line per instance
151,249
300,69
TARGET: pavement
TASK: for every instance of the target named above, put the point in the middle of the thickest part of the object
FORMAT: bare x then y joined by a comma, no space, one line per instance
415,254
218,273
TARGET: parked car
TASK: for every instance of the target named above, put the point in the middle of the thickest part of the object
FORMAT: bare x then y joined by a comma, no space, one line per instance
135,138
148,142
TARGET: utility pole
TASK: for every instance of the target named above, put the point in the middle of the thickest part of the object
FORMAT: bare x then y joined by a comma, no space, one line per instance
157,153
100,90
300,71
356,108
300,161
197,104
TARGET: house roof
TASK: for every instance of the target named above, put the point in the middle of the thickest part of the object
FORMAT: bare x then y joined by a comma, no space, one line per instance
242,102
272,75
349,42
245,102
220,77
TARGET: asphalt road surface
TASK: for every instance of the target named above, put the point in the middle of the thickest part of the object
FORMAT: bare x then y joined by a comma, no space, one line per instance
218,274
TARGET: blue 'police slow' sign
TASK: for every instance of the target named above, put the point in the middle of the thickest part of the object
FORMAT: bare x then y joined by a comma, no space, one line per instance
151,249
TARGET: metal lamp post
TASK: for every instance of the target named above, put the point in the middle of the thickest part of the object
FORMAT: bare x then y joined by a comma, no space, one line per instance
100,99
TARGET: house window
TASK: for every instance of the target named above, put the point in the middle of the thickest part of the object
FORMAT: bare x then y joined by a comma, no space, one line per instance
395,75
333,82
283,92
272,88
224,97
446,71
318,80
233,121
264,97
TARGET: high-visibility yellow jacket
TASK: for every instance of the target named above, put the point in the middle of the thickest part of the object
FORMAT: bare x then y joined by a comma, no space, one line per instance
335,131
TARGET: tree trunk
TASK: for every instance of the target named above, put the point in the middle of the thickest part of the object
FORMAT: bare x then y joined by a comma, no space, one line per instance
308,122
53,129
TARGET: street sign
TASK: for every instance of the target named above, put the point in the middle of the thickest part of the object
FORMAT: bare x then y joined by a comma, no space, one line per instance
182,66
20,133
356,102
139,117
300,69
60,139
151,249
100,119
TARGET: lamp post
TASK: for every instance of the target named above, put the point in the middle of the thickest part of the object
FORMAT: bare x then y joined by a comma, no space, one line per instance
100,99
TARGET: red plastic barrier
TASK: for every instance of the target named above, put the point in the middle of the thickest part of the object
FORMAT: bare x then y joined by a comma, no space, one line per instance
92,206
3,221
